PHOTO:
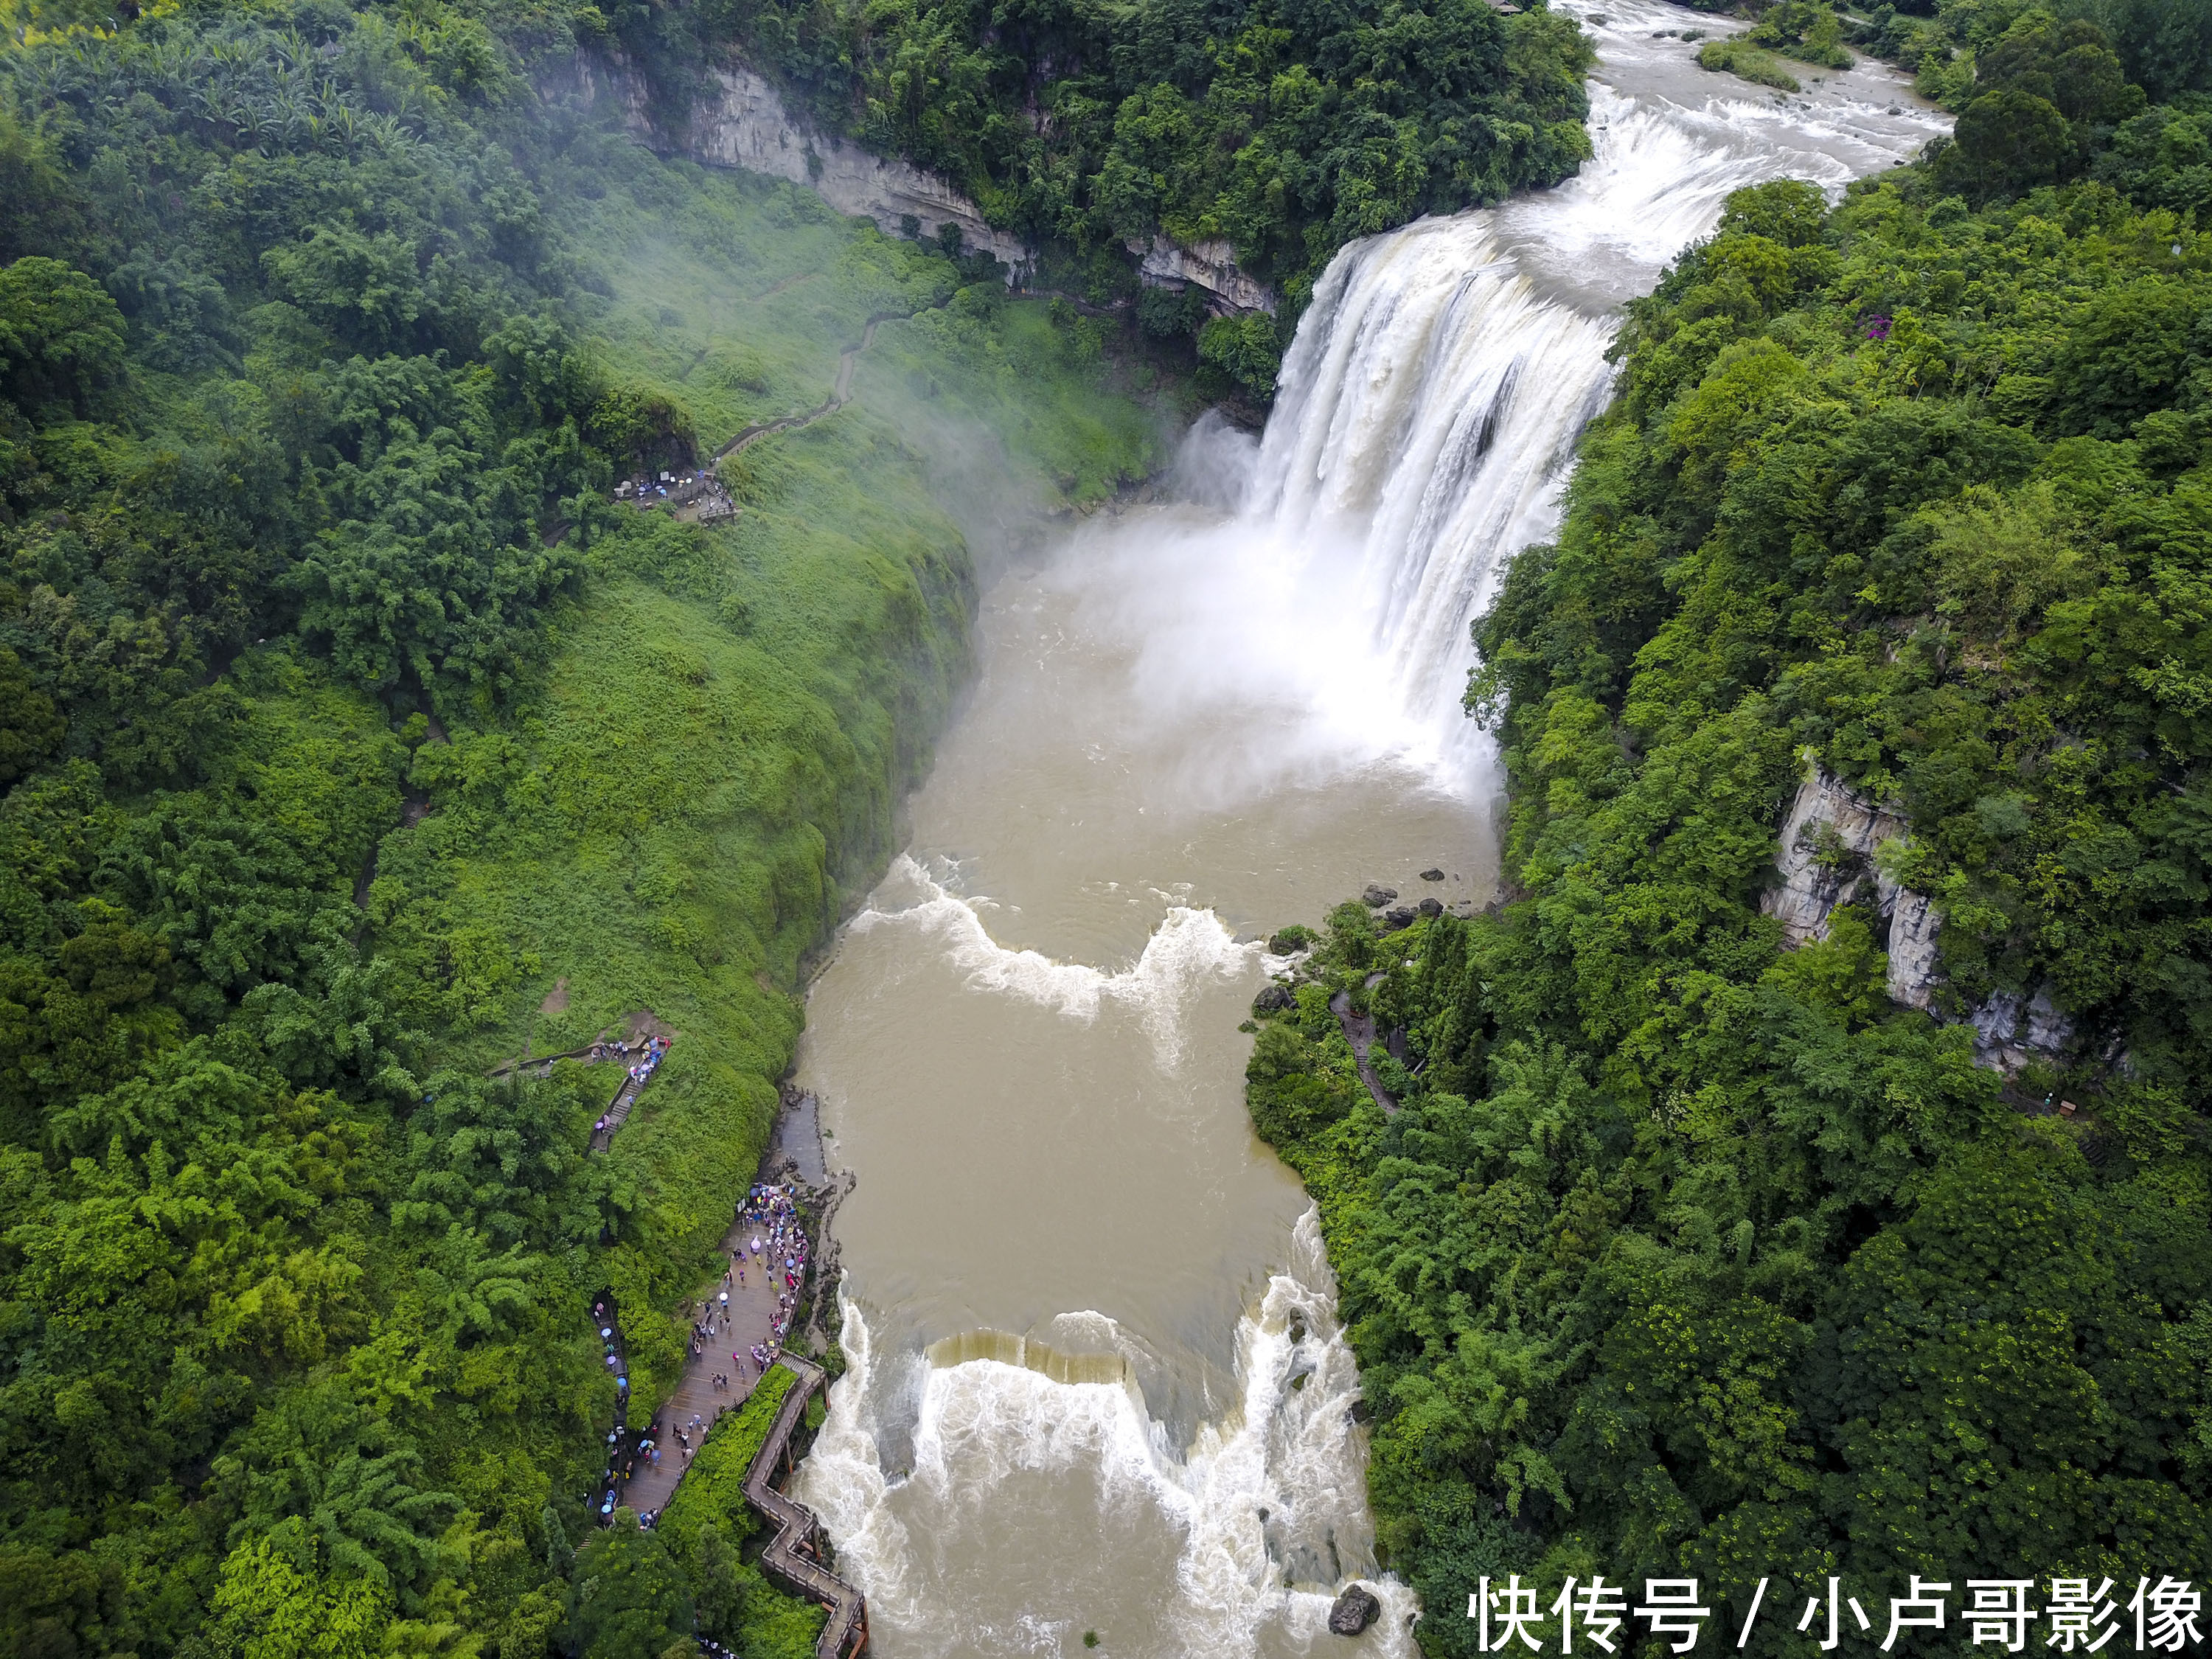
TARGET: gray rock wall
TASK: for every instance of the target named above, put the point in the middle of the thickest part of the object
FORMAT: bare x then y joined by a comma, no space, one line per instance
1210,266
1912,924
1829,839
1832,836
747,126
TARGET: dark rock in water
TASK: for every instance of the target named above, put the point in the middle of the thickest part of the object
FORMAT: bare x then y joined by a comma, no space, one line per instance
1430,907
1401,917
1376,897
1354,1611
1432,875
1273,1001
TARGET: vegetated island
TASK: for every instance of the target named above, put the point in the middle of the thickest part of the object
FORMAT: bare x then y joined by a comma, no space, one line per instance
1687,1252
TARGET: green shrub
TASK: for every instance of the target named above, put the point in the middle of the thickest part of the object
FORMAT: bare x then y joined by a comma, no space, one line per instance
1808,30
1244,352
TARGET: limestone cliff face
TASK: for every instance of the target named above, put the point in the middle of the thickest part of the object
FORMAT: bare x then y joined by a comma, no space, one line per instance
1912,924
1828,843
747,126
2011,1029
1830,839
744,124
1209,265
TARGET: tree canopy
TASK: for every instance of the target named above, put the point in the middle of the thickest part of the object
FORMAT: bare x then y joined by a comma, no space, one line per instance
1684,1253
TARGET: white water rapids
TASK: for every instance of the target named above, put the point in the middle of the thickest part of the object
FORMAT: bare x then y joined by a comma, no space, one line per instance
1097,1381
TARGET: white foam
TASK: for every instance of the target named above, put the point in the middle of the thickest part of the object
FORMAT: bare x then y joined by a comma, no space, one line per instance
1189,949
1291,1455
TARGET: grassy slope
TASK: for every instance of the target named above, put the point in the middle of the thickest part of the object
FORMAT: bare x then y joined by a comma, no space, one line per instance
711,768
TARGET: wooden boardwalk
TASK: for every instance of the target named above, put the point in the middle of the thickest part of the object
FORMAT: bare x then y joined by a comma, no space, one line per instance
751,1321
793,1557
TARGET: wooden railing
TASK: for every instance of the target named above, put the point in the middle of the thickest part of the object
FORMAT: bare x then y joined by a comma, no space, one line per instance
793,1555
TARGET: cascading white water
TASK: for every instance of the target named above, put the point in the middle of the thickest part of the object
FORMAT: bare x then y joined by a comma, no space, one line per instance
1429,404
1096,1379
1264,1508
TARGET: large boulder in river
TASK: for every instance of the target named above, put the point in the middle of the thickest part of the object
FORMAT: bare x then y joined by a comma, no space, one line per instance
1432,875
1354,1610
1429,907
1376,897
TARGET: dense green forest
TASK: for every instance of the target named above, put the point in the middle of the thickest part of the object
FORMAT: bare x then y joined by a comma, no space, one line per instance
352,739
1684,1254
1284,127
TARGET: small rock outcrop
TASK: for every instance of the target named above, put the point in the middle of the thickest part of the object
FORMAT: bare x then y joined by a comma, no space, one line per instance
1273,999
1432,875
1912,924
1210,267
2011,1031
1353,1611
1398,916
1429,907
1375,897
1830,838
1828,842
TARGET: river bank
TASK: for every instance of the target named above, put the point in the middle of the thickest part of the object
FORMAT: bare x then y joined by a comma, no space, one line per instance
1701,1178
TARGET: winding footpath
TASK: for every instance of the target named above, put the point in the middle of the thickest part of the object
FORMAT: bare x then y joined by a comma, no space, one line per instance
841,394
1360,1032
751,1321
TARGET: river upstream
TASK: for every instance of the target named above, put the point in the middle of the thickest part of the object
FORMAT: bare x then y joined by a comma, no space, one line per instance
1096,1380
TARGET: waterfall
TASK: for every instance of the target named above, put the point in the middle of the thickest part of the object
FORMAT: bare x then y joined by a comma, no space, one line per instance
1428,408
1429,405
1098,1384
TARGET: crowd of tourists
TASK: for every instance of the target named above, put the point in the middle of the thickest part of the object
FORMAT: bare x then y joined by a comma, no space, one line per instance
649,1052
776,1248
772,1249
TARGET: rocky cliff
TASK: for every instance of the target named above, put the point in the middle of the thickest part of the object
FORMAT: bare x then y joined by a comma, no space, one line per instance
745,124
1210,265
1831,838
